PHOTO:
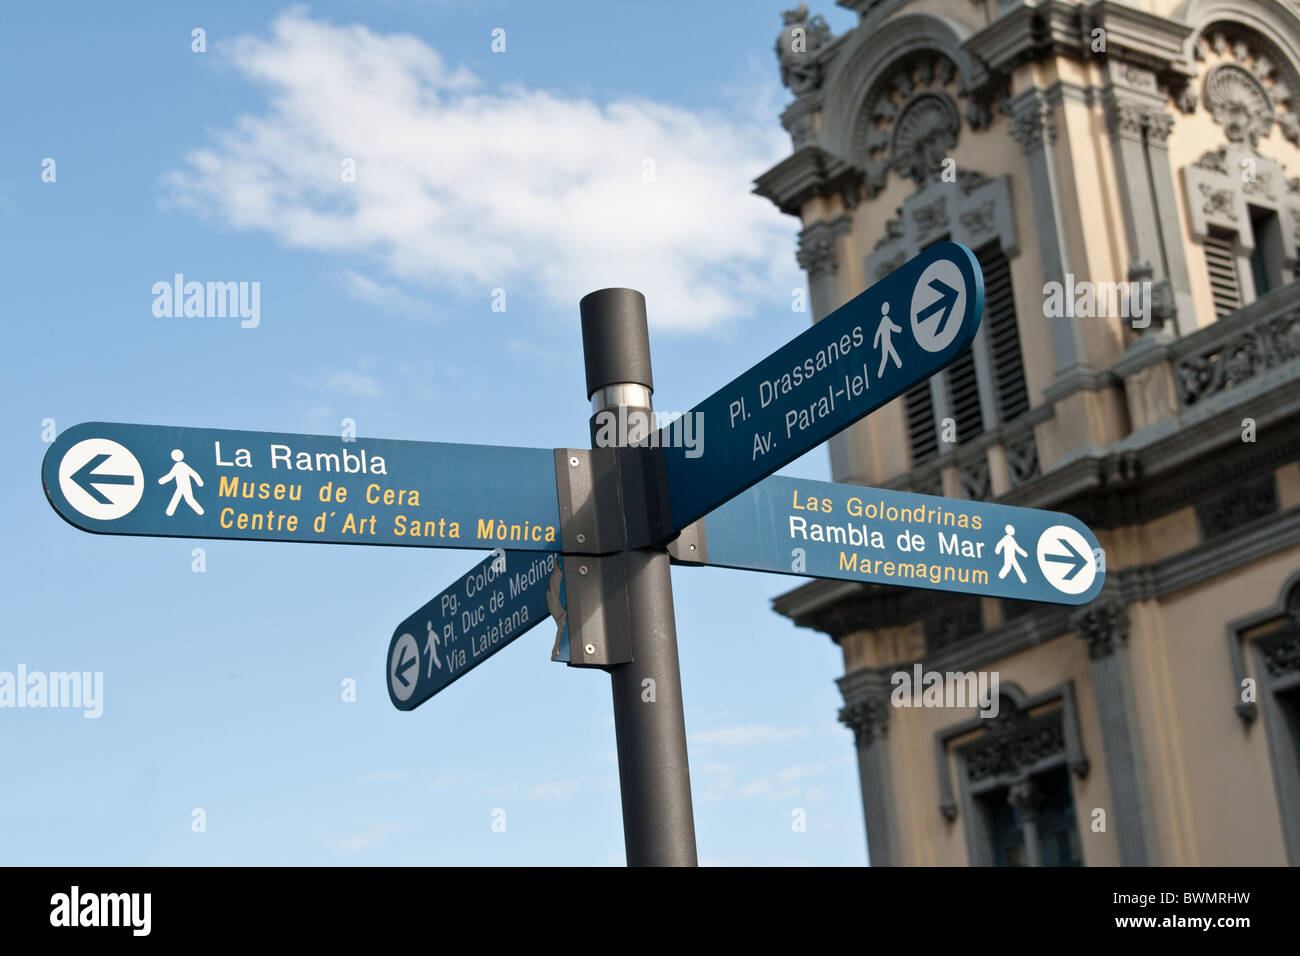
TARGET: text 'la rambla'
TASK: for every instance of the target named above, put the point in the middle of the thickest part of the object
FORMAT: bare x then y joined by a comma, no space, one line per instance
360,463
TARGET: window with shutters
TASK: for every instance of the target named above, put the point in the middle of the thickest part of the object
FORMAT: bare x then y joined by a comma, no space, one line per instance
1008,368
986,384
1221,262
921,436
964,398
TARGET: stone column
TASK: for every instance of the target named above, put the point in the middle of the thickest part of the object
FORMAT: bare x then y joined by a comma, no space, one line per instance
1031,124
1139,131
818,256
866,713
1025,796
1104,626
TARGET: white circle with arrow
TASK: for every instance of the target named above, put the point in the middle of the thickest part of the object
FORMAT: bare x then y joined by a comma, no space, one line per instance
101,479
938,305
1066,560
404,667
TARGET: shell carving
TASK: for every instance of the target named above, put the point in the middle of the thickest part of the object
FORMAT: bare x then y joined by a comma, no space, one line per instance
1239,103
925,133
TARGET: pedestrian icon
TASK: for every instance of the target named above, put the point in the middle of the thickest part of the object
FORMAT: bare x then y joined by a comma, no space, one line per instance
431,647
101,479
404,657
881,341
182,474
938,304
1008,548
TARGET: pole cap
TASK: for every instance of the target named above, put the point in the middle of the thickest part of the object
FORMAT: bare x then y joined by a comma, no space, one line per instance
615,339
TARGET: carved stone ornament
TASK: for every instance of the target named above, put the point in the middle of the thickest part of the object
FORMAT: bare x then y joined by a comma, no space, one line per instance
868,719
968,180
973,475
1240,506
1216,160
1022,458
893,230
1239,103
797,45
925,133
816,253
1261,185
954,619
889,265
1247,353
1219,203
1031,127
932,217
1257,88
1103,625
979,219
908,122
1014,743
1162,302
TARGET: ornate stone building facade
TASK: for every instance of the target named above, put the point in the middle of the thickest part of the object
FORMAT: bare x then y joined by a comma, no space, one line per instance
1147,152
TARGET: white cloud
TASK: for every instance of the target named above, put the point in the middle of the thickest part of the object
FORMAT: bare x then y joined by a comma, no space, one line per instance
467,189
562,789
746,736
381,294
553,789
367,839
799,771
354,384
755,788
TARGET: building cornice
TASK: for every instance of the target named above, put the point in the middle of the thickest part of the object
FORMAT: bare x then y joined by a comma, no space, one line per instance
808,173
1139,35
1027,32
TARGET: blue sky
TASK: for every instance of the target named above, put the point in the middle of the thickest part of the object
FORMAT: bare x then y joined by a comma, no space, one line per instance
524,171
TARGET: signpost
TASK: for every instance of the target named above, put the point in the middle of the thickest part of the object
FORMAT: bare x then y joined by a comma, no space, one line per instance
827,530
268,486
867,352
608,513
497,601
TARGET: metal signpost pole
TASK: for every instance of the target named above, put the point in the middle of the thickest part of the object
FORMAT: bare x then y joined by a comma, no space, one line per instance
658,821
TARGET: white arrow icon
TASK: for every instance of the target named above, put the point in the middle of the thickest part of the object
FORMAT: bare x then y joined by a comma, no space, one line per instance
101,479
404,667
1065,558
938,305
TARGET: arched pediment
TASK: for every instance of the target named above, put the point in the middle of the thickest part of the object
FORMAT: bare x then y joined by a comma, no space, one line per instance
860,67
900,111
1276,23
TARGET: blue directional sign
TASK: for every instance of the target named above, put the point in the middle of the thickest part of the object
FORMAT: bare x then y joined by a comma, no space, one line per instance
499,600
900,331
827,530
268,486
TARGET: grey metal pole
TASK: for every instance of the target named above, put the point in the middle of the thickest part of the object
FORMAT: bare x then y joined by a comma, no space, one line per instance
649,723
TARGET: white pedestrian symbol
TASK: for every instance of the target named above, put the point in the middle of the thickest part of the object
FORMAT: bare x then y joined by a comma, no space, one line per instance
431,645
881,341
1008,548
182,474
